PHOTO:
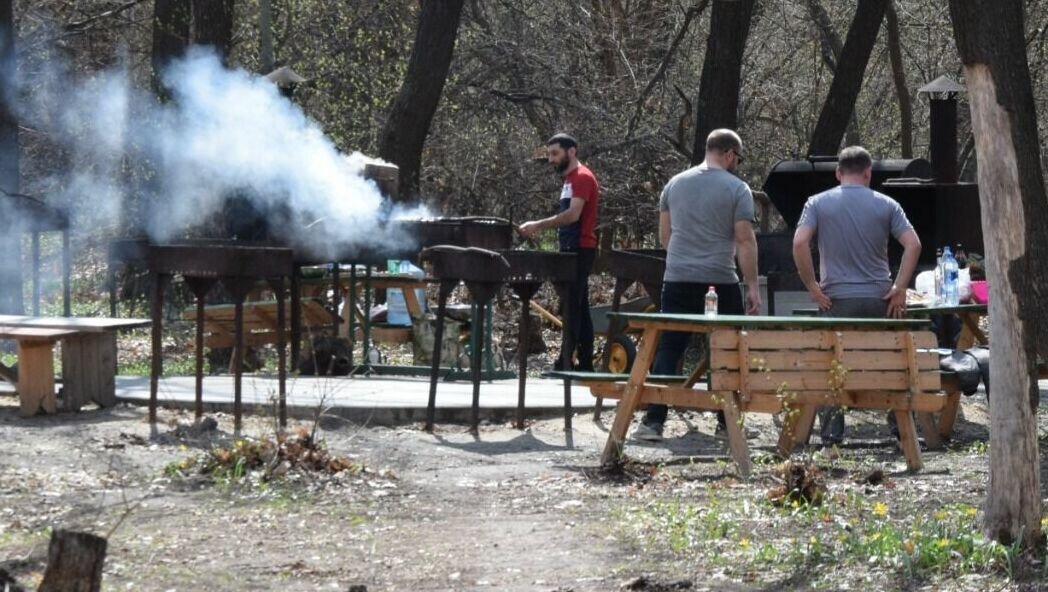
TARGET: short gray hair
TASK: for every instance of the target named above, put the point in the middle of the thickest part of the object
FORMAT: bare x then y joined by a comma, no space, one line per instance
854,160
723,140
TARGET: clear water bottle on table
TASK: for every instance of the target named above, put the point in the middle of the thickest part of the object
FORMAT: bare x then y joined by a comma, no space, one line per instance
711,302
951,296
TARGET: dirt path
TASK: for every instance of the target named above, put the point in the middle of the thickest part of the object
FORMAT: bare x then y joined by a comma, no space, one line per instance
507,510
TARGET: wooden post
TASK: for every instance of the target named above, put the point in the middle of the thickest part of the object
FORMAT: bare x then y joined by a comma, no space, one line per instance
74,562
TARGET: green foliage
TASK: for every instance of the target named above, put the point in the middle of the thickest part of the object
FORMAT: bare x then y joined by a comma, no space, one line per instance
849,529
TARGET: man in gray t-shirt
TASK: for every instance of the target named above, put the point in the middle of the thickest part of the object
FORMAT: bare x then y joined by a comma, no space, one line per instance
705,219
852,224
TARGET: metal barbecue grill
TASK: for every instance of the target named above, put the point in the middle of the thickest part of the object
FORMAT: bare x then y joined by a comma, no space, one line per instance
238,267
484,272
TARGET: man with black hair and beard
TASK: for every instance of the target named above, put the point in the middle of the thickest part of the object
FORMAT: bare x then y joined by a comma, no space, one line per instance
576,229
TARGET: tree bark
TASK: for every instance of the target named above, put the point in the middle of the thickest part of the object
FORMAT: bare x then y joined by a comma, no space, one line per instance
171,21
74,562
830,46
404,134
11,300
213,25
847,80
718,103
989,35
902,92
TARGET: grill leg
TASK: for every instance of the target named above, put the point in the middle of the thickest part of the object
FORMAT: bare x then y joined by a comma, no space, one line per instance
157,363
475,368
296,313
438,342
522,355
567,348
239,288
278,287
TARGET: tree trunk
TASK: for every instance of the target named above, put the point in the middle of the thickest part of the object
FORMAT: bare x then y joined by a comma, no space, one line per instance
171,20
718,104
10,238
213,25
989,35
404,134
902,92
830,45
265,34
74,562
847,79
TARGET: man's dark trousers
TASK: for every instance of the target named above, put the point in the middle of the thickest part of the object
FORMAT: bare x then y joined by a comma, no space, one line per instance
687,298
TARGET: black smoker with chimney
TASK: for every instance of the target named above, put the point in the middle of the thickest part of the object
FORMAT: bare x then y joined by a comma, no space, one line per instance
942,209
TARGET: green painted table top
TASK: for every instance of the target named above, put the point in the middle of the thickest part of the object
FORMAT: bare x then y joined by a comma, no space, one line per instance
762,322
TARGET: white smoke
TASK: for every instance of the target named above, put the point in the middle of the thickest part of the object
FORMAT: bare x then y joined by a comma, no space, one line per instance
224,132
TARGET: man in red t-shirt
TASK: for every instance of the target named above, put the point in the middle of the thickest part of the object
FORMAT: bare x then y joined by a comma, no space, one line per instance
576,230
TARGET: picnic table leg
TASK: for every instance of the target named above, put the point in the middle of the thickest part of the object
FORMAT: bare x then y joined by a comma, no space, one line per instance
631,397
970,331
36,377
740,450
908,439
438,347
949,414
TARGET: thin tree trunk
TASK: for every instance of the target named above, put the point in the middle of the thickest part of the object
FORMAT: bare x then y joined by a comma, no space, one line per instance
404,135
213,25
171,20
11,300
718,104
902,92
830,46
847,80
265,33
989,35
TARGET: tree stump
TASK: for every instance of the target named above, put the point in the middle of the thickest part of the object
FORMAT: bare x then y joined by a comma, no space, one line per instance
74,562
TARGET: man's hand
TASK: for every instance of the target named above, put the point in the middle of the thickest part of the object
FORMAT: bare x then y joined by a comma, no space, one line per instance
528,229
753,300
896,302
821,299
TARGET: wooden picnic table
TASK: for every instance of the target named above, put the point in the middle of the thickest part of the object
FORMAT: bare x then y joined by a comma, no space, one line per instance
970,315
897,374
88,355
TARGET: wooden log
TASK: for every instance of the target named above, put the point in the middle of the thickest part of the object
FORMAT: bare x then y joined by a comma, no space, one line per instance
74,562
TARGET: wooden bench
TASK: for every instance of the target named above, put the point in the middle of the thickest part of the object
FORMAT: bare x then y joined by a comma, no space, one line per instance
88,354
35,378
786,364
260,321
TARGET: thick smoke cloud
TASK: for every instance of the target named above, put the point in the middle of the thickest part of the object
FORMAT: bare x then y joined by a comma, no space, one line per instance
223,133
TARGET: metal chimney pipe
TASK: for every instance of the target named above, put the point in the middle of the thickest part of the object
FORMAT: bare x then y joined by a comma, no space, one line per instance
942,141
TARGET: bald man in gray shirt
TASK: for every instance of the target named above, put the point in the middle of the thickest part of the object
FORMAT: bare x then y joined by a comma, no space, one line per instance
852,224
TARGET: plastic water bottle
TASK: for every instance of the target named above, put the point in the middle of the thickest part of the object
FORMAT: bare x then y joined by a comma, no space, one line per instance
938,276
950,276
711,302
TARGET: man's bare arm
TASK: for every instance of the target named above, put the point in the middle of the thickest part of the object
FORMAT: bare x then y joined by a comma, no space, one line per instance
664,229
